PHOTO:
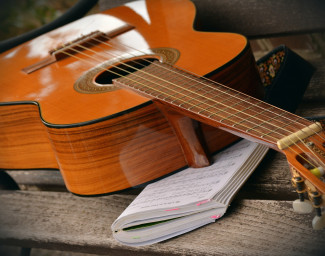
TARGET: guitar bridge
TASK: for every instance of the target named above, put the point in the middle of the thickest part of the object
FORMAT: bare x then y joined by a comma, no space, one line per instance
299,135
75,46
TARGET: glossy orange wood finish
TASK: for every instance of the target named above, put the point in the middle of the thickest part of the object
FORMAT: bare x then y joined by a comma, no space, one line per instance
117,153
24,139
110,141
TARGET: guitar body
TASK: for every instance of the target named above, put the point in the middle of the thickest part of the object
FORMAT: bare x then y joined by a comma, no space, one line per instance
102,138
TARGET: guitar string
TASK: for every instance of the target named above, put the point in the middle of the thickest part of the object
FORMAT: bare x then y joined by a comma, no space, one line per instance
205,78
293,142
286,124
140,64
218,102
212,113
142,83
193,85
202,102
315,132
214,88
132,67
258,113
134,61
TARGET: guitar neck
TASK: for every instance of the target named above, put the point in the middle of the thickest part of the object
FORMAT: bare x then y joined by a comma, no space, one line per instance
214,103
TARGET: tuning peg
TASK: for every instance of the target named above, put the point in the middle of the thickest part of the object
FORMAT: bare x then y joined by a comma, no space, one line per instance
319,220
318,171
301,205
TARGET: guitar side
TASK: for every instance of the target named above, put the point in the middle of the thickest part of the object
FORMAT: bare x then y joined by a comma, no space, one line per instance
114,140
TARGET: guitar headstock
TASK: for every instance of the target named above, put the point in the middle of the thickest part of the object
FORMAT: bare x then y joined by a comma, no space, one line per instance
306,159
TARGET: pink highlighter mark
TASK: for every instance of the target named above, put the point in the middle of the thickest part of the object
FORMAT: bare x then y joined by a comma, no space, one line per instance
172,209
203,202
215,217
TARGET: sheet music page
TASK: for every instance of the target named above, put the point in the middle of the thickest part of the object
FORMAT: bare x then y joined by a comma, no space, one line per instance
193,185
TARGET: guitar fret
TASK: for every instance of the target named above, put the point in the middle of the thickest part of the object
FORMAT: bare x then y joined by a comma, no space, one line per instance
261,116
271,119
257,131
236,113
204,94
267,134
222,103
253,115
192,101
180,84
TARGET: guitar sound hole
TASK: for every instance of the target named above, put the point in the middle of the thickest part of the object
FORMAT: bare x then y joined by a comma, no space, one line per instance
122,69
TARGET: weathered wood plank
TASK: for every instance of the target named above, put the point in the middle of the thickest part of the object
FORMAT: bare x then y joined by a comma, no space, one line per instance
311,109
270,180
62,221
262,18
38,179
316,89
222,16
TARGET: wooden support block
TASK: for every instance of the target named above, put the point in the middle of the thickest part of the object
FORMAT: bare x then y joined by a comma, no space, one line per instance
188,135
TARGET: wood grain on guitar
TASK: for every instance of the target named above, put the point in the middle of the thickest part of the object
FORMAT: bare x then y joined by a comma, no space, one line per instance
112,140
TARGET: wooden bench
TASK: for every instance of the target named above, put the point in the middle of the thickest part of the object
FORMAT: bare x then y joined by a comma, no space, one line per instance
260,221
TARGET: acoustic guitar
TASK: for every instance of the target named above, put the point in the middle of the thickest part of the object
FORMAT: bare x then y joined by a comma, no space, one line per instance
124,97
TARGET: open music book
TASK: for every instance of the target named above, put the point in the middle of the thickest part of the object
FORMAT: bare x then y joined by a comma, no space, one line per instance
188,199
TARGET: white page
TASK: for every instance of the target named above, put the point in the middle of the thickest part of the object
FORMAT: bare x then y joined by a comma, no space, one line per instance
192,185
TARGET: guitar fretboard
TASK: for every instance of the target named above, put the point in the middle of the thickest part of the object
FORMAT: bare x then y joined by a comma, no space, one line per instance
207,100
